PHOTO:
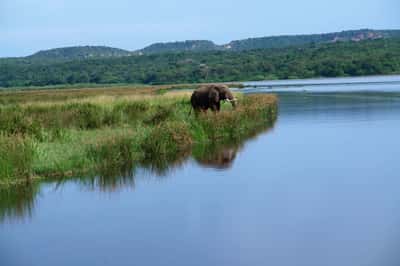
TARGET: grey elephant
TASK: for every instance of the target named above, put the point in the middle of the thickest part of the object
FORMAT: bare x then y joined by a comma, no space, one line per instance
210,96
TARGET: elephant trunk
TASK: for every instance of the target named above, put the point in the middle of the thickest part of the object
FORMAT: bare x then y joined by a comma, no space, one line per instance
232,101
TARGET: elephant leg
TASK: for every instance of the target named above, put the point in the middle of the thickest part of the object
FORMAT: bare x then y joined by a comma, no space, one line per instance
214,108
197,111
218,106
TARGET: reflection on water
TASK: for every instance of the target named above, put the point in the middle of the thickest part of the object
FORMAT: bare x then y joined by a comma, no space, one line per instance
110,181
218,156
163,165
19,202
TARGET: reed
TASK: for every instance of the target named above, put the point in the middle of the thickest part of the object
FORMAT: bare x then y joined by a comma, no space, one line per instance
16,157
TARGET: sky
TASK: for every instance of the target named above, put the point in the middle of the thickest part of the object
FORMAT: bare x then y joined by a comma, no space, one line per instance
27,26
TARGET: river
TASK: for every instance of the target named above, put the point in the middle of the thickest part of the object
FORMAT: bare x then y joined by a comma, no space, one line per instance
321,187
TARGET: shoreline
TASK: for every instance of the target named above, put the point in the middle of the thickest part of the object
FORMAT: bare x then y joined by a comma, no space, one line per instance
231,84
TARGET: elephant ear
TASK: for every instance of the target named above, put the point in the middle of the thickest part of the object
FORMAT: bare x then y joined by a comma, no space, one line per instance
213,95
224,93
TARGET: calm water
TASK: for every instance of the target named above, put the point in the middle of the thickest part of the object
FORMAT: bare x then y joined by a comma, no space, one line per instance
321,187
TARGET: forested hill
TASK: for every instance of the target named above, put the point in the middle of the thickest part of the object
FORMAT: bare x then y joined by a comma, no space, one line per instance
296,40
371,57
271,42
89,52
186,46
78,53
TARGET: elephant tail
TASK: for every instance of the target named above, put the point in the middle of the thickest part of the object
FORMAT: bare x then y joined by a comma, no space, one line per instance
190,112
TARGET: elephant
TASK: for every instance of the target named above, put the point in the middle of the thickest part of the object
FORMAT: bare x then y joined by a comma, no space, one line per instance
210,96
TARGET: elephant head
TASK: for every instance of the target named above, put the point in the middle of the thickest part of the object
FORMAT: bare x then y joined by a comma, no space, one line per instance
225,94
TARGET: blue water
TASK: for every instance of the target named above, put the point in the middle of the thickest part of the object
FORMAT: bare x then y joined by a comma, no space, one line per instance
321,187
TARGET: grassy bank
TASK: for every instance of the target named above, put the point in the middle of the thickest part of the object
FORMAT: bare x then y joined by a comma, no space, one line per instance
78,132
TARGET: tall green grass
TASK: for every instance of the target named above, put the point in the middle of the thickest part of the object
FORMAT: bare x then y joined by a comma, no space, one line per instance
16,157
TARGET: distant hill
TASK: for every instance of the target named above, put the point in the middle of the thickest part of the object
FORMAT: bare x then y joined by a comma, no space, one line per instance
284,41
78,52
270,42
185,46
298,40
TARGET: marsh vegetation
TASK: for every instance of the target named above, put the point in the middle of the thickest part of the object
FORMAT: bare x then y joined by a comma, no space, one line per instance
64,133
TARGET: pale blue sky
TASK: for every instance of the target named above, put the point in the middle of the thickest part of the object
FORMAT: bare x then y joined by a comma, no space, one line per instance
27,26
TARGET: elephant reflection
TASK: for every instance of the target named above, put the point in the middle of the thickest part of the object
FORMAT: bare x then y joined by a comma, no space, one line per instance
219,158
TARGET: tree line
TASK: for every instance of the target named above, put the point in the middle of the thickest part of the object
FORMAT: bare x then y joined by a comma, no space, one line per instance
339,59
